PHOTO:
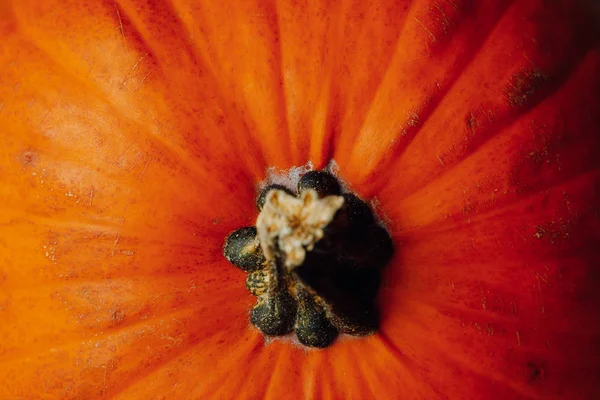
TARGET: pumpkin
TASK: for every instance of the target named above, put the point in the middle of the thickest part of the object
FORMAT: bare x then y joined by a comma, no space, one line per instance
134,135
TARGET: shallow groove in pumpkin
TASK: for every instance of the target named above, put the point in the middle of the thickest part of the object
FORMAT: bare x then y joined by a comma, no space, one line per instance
571,63
362,89
452,171
453,220
205,20
134,35
294,151
378,169
193,351
85,344
194,58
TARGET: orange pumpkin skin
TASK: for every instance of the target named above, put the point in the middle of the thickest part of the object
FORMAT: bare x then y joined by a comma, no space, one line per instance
134,132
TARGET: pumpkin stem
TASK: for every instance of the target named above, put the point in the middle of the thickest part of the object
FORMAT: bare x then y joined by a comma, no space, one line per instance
316,268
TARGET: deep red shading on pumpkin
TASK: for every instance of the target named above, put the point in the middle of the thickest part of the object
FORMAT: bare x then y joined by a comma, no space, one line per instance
134,132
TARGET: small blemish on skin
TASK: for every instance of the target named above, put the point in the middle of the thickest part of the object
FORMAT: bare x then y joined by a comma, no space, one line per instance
29,159
536,372
471,122
523,85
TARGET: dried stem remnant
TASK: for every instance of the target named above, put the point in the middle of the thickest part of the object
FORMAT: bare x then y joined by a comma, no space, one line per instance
293,225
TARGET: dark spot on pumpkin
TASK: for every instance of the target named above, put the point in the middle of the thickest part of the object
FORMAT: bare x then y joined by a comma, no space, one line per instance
540,160
523,86
535,372
117,315
471,123
440,20
29,159
555,231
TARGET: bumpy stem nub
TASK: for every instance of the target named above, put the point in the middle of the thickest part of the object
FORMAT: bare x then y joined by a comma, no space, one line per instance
314,261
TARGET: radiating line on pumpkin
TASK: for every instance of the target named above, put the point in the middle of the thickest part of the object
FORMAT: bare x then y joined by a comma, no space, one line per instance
212,69
364,371
212,284
343,368
247,384
399,146
398,354
410,366
309,373
109,356
103,225
186,350
339,371
60,153
438,351
559,78
403,369
327,389
381,79
507,323
295,158
223,379
337,383
343,148
506,319
307,86
72,341
325,147
326,377
135,33
155,372
509,121
259,165
103,232
147,40
287,363
72,75
455,221
493,378
275,366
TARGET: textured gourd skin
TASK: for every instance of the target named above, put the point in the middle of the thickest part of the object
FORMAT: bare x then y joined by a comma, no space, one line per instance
133,133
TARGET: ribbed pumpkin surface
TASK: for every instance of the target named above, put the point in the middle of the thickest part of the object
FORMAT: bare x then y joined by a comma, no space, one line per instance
133,134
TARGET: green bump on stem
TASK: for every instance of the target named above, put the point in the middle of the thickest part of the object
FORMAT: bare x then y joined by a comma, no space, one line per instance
313,327
243,250
322,182
274,314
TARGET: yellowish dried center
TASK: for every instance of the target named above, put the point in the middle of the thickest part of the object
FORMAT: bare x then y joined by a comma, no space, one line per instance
292,225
